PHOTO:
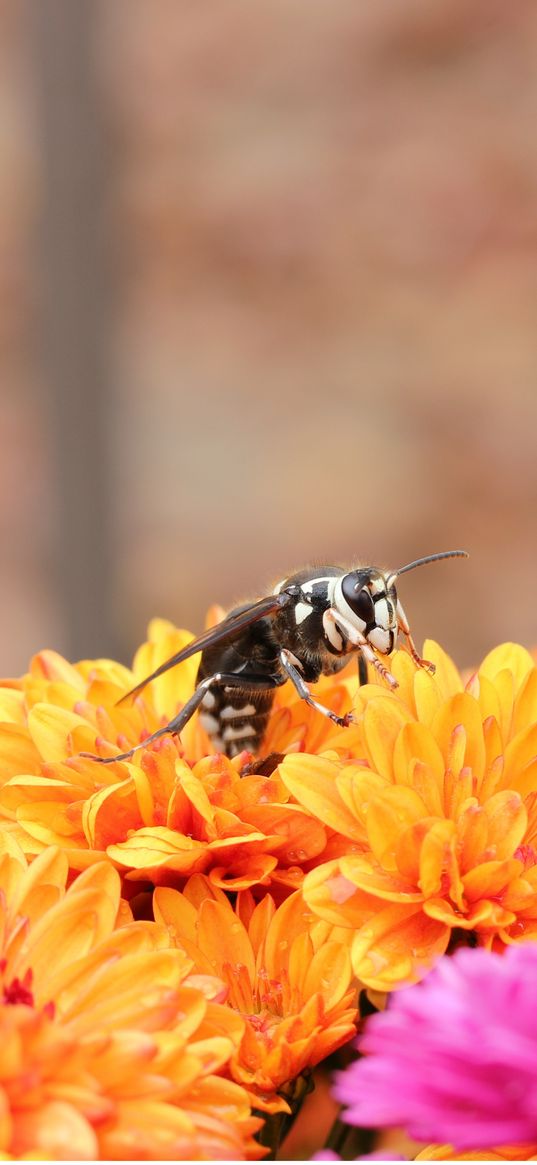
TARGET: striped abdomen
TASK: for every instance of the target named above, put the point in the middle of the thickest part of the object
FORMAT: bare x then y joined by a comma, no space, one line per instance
235,718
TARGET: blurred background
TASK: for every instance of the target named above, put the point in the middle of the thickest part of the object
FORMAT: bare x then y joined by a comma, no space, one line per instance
268,296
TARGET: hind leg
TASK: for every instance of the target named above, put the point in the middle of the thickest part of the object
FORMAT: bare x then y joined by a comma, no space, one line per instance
247,683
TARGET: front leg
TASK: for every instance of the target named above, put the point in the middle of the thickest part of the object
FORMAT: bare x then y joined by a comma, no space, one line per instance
359,641
305,694
403,626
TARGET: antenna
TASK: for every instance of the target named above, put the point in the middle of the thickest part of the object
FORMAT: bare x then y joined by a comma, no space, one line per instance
429,558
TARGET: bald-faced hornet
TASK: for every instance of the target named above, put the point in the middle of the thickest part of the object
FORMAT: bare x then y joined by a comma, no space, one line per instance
307,628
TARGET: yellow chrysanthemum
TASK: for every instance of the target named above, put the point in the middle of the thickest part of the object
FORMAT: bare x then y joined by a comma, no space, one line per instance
288,975
439,809
172,810
110,1047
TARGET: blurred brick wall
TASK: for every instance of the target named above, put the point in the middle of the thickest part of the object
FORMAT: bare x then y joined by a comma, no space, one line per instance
324,341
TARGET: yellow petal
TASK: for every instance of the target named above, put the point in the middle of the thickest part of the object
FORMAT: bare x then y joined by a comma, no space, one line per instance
389,813
525,709
151,849
461,710
446,676
383,720
312,780
51,728
18,753
329,974
507,657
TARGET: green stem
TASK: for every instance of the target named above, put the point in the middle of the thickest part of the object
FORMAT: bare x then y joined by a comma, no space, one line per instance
349,1141
278,1124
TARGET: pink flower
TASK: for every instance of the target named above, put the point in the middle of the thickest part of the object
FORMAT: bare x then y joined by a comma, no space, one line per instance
454,1058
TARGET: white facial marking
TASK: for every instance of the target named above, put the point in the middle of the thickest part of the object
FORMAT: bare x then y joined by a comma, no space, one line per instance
209,723
229,713
307,587
209,700
302,611
231,733
380,640
340,603
377,586
332,633
279,586
382,613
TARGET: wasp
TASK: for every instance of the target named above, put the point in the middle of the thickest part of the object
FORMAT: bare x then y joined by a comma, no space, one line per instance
308,627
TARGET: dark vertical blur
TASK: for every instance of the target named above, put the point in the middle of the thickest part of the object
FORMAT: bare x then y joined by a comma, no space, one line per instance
73,324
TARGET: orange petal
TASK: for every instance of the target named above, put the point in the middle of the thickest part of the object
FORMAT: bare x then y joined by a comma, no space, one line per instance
108,815
302,836
55,1130
335,898
223,938
507,822
367,876
397,947
244,872
490,878
439,870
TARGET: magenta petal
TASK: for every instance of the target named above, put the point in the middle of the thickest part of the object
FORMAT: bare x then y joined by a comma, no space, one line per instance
454,1058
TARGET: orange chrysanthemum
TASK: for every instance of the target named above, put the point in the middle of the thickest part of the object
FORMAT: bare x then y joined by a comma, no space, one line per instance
439,809
288,975
110,1047
171,811
417,821
506,1153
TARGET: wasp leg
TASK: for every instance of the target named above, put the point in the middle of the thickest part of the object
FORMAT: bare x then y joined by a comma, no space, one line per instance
403,625
305,694
360,642
362,670
175,726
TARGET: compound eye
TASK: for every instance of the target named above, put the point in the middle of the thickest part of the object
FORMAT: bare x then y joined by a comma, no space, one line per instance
363,606
358,596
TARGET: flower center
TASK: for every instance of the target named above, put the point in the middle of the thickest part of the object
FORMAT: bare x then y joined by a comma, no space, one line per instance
19,990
